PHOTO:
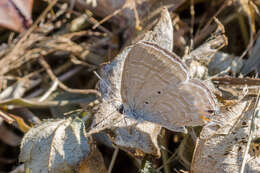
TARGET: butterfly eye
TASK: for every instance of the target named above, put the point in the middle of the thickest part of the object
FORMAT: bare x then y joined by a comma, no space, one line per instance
121,109
146,102
244,124
211,111
158,92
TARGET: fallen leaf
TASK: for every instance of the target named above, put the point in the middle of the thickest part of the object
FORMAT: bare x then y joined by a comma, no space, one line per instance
221,146
55,146
16,14
94,163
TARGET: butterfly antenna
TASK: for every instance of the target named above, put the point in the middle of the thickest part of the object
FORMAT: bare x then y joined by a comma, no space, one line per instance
113,104
100,78
105,82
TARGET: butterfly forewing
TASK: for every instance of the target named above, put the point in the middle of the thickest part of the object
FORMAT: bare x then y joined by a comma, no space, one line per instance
144,67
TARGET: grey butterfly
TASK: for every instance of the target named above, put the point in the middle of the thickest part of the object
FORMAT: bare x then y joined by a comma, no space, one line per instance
156,87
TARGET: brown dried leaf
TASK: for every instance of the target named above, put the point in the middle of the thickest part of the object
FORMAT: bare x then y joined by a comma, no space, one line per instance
16,14
94,163
8,136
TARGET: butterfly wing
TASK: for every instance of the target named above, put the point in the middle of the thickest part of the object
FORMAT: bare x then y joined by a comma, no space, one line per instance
145,73
200,101
155,87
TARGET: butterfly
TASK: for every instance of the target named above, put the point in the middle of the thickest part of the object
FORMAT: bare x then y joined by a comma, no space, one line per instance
156,87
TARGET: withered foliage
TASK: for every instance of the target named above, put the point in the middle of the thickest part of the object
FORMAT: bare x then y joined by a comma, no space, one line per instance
61,106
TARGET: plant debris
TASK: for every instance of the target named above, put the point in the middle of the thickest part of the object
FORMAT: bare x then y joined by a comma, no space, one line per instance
61,68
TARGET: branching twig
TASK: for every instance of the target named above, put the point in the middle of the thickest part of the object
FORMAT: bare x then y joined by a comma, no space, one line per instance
61,85
30,30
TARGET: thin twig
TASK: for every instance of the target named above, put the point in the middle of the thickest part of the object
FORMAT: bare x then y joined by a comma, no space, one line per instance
49,91
172,158
220,73
192,13
251,130
79,62
236,81
243,27
65,76
165,157
63,86
215,15
113,159
131,4
106,18
92,20
250,45
7,118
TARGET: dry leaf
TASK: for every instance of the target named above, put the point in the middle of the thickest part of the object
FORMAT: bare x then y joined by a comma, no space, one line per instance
55,146
208,49
16,14
248,8
253,63
199,58
94,163
223,62
8,136
221,145
135,137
